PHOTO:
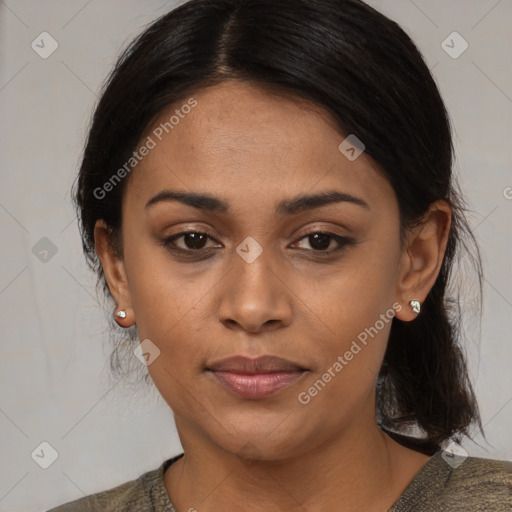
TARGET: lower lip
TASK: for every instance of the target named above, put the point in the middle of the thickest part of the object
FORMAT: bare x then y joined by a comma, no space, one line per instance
258,385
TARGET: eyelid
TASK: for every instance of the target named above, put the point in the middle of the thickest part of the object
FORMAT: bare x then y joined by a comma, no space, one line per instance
319,229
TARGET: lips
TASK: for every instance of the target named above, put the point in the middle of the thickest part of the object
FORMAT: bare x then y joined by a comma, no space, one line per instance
263,364
255,378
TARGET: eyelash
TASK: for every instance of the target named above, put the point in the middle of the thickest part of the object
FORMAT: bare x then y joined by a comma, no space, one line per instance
191,253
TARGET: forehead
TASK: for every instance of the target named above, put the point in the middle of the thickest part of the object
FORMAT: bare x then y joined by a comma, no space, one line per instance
250,146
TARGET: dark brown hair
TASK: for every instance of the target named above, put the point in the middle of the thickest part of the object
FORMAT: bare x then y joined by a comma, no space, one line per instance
365,71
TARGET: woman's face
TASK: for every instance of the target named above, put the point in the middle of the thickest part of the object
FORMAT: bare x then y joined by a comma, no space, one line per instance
257,284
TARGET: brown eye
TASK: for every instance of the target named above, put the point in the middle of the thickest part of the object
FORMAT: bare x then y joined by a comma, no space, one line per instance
320,241
190,241
194,240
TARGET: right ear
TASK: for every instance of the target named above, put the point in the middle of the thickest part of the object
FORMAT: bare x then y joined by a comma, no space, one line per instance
114,270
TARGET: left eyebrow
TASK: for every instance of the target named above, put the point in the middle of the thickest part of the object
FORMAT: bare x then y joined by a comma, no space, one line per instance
285,207
307,202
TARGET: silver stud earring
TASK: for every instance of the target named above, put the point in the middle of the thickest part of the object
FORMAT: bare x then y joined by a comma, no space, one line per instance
415,305
121,313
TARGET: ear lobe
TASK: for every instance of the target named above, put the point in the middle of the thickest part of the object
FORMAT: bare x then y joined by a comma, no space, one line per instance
112,263
423,256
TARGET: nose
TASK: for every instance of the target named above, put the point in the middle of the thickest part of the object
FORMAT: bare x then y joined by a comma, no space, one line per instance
255,297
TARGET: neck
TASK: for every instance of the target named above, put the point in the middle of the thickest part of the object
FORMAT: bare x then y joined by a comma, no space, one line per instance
362,469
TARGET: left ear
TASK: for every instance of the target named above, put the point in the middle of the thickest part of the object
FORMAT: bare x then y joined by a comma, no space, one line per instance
422,257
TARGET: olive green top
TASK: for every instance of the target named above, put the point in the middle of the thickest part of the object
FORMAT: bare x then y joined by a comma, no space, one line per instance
474,485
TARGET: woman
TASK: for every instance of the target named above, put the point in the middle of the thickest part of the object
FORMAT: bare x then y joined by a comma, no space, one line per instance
267,197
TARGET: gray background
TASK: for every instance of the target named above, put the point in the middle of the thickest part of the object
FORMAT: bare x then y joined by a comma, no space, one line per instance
53,365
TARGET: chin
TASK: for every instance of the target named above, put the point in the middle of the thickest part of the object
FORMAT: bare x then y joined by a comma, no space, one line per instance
261,443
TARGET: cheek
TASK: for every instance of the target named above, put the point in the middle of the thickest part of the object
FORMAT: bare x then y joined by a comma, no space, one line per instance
352,294
172,304
356,313
162,291
353,309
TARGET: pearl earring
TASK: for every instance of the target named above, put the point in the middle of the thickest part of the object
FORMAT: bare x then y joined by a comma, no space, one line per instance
121,314
415,305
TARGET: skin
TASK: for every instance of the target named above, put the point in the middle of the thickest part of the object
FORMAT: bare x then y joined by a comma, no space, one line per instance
253,149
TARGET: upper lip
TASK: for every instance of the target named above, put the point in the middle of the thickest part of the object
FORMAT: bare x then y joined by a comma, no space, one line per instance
262,364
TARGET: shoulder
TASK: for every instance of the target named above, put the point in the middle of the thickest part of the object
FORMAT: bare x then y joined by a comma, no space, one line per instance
144,494
474,470
458,485
132,495
482,482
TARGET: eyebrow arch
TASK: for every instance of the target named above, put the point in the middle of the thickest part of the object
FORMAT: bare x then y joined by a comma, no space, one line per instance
286,207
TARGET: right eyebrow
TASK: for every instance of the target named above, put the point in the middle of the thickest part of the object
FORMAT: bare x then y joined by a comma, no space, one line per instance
194,199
